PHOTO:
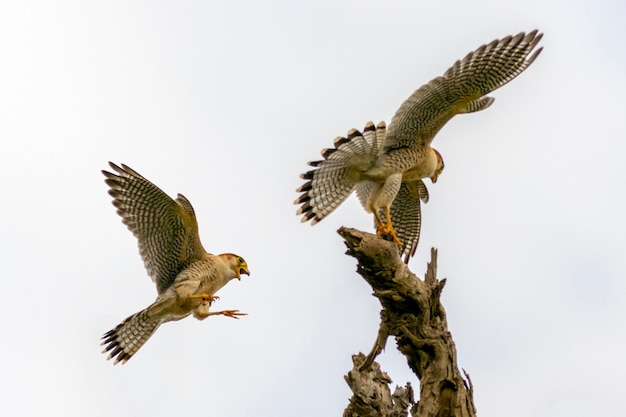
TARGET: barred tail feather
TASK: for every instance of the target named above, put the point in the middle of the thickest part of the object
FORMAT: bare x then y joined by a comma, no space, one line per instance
363,190
127,337
335,177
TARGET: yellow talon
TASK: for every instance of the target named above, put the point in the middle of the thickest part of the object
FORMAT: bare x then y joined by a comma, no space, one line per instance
229,313
388,233
385,230
205,298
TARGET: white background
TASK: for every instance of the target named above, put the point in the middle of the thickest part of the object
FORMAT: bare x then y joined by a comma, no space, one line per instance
225,102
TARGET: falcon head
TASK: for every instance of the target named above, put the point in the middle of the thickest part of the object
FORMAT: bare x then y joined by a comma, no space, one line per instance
242,267
439,167
237,264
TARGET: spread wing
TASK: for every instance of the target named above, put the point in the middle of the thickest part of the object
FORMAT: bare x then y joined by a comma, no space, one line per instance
166,229
406,215
461,89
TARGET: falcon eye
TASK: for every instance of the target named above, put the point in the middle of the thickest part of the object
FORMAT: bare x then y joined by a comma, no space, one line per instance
240,260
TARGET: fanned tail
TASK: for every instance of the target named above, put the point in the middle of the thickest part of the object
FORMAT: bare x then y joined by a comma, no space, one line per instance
335,176
127,337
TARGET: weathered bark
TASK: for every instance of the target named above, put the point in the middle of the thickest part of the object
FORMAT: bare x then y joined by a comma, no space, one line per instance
371,392
412,312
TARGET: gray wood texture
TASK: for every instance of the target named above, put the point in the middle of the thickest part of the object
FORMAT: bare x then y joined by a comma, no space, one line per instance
411,312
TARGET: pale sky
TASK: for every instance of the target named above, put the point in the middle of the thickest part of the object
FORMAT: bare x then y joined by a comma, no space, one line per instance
225,102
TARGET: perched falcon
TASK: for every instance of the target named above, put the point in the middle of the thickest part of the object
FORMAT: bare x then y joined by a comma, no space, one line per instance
186,276
386,166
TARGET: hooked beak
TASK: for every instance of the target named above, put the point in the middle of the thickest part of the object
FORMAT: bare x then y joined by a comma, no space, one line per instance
242,270
434,177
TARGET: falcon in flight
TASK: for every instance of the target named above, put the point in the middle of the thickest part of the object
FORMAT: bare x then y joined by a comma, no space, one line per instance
186,276
386,166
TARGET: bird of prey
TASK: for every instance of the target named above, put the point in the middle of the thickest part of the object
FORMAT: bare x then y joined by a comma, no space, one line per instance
186,276
386,166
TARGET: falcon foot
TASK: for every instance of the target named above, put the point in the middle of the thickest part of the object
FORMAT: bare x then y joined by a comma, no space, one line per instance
205,298
228,313
388,234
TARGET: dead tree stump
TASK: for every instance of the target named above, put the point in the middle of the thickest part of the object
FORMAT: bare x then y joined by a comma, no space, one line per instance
413,314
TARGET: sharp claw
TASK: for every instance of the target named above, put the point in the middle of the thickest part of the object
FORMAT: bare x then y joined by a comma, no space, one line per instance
205,298
385,230
235,313
389,234
232,313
